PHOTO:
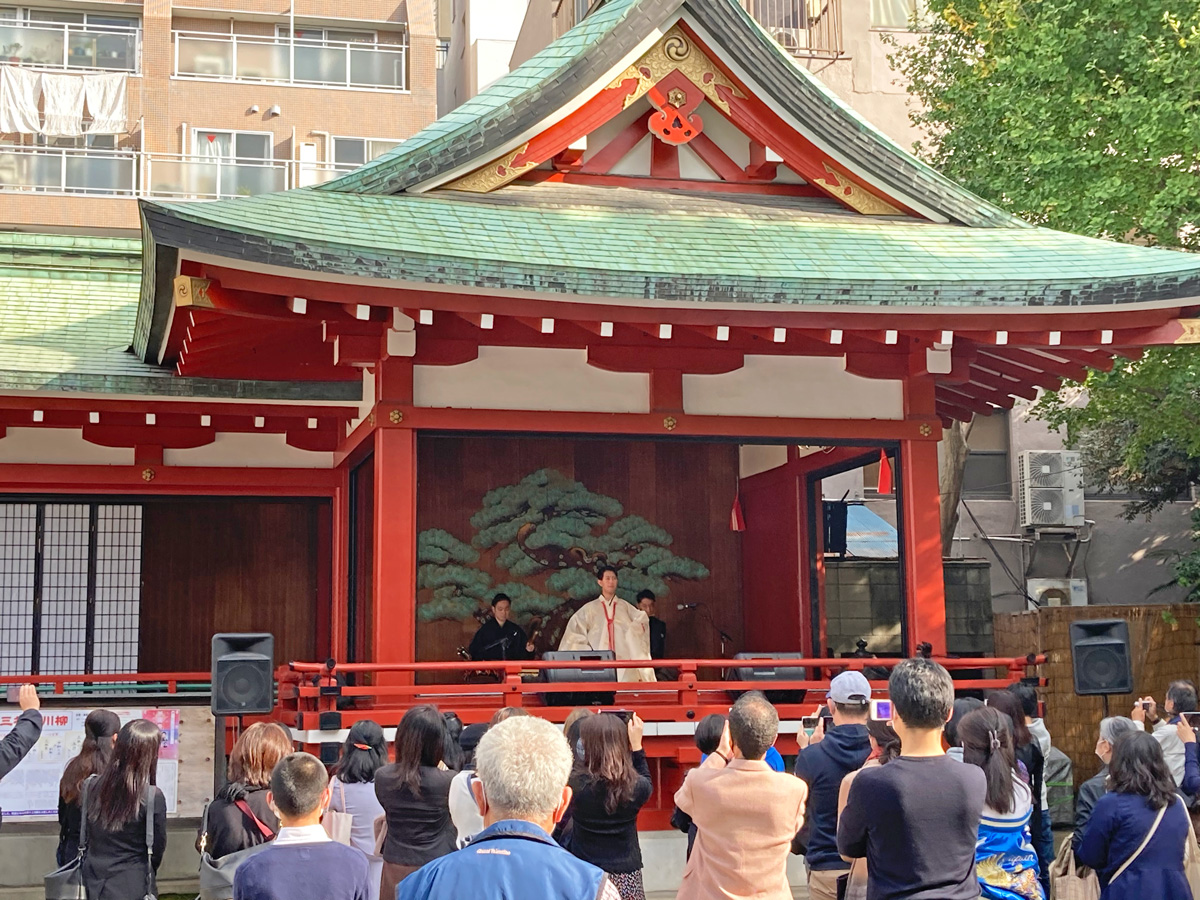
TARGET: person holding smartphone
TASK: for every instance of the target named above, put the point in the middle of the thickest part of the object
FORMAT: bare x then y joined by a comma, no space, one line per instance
611,784
25,733
839,749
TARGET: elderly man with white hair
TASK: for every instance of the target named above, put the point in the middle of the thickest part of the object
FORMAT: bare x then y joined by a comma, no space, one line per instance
521,768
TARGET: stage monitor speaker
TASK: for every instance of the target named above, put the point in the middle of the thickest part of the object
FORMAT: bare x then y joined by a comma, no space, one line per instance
771,673
243,674
1100,656
559,676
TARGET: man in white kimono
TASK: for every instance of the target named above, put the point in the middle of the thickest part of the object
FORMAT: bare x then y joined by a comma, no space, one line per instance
609,623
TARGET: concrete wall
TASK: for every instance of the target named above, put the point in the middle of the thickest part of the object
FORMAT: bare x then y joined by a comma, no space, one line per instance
483,34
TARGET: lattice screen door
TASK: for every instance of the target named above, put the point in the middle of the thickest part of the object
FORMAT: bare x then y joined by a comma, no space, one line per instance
70,587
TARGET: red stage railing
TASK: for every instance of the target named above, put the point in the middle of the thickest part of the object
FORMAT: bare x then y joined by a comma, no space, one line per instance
313,696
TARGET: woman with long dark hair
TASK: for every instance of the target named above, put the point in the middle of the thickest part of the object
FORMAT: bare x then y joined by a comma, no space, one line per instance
352,790
452,753
415,795
116,866
1005,861
1141,803
1027,750
611,785
99,733
239,816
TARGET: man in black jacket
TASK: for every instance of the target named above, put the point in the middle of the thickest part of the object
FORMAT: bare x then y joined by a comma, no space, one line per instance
500,637
25,733
658,628
822,764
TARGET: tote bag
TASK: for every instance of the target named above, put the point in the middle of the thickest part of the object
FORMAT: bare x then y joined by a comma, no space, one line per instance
216,875
1069,881
338,824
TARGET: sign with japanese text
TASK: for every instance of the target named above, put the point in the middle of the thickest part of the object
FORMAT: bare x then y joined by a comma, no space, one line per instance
31,789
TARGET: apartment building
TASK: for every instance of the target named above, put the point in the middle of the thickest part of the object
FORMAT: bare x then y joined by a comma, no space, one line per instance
105,102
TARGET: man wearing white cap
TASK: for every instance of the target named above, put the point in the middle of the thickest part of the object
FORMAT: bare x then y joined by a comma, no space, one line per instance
822,764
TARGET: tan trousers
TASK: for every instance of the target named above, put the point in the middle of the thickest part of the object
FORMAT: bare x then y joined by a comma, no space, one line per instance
822,885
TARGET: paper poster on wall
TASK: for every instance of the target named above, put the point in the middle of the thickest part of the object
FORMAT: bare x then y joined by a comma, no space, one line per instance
31,789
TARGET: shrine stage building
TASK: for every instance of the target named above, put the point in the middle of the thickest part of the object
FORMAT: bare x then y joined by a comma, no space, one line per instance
655,268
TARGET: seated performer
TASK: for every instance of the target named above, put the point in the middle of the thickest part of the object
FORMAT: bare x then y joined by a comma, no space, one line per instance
658,628
609,623
498,637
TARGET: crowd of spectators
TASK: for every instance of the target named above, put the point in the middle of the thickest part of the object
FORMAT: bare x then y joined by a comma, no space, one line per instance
939,798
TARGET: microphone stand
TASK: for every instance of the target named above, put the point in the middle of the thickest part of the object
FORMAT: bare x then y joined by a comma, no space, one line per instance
707,617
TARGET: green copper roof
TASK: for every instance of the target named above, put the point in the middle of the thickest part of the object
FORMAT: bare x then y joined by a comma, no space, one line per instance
640,245
67,307
68,304
509,110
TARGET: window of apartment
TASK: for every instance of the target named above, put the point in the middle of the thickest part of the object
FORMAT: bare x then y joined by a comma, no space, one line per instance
70,587
898,15
350,151
328,35
988,474
251,145
68,39
64,17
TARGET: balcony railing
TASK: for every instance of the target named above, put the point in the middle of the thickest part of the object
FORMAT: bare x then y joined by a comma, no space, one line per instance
132,173
237,57
70,46
204,178
68,171
802,27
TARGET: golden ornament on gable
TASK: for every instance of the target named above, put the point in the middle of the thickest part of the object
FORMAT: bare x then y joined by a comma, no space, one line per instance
675,52
854,196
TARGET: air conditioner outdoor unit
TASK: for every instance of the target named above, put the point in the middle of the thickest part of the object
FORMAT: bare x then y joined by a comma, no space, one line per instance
1050,489
1057,591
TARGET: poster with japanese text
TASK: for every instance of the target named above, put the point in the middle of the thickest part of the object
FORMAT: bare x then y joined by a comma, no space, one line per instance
31,789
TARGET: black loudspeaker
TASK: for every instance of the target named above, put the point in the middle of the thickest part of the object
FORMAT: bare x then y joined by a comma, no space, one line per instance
837,514
771,673
559,676
1100,656
243,674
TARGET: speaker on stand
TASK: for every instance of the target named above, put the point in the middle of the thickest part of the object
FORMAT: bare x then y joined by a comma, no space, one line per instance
1101,660
243,683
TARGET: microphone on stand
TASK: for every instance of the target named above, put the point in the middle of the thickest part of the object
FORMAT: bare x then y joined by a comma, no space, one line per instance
687,605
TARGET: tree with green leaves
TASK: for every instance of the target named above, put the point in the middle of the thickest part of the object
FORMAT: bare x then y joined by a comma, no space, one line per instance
1084,116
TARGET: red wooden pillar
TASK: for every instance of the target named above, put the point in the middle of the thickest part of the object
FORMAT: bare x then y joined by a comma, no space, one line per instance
394,598
924,587
340,565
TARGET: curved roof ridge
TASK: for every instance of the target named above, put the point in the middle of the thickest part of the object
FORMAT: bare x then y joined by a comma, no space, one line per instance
476,131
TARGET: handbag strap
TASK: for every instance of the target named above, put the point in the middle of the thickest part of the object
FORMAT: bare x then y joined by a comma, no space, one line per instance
83,804
150,840
265,829
1142,846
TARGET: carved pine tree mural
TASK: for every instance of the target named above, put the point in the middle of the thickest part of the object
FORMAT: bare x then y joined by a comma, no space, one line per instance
540,541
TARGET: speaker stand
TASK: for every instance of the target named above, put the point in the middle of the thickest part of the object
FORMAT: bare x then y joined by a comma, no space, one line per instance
219,764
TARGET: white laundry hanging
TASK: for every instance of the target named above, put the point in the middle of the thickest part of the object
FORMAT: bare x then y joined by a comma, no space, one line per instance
106,101
19,90
62,98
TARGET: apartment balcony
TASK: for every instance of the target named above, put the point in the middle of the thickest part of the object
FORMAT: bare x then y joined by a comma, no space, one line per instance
203,178
805,28
131,174
236,57
55,170
70,47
